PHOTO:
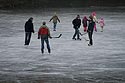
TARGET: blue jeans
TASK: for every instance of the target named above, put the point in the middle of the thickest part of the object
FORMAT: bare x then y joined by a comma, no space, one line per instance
27,37
76,33
54,26
47,43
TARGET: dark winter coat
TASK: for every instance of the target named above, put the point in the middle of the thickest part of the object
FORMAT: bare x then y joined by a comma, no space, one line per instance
91,26
76,23
29,26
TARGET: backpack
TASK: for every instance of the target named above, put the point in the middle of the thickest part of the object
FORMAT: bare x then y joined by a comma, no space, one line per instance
44,31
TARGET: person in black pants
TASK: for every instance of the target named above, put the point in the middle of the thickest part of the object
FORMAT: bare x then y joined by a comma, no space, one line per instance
76,25
90,30
29,29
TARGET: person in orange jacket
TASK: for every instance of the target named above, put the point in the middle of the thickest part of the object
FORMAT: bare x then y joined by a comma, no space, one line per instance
44,34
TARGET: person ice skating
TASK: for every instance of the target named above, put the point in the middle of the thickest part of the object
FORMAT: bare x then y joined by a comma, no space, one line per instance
29,29
55,20
84,22
95,20
44,34
76,25
90,30
102,24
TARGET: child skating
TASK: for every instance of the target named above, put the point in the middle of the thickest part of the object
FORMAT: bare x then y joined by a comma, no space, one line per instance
84,22
102,24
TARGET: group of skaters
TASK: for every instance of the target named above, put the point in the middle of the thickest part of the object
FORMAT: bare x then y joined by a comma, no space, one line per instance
89,25
43,33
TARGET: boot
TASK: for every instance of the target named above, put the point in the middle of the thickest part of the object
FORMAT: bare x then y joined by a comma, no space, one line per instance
49,51
42,51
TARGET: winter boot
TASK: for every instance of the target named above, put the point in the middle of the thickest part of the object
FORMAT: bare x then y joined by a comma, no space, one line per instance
74,38
79,39
89,45
49,51
42,51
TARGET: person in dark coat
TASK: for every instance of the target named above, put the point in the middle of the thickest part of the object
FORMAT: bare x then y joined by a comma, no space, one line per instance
90,30
29,29
76,25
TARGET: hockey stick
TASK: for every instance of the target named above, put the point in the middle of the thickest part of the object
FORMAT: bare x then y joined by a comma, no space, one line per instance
82,35
58,36
85,39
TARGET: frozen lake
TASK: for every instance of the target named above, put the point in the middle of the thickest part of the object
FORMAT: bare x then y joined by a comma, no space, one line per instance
70,61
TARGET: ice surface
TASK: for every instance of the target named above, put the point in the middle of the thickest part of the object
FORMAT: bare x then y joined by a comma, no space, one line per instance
70,61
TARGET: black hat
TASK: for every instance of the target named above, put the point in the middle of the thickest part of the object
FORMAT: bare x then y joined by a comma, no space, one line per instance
44,23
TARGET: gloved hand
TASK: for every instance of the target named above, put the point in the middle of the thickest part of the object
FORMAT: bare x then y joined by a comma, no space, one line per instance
50,37
38,38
